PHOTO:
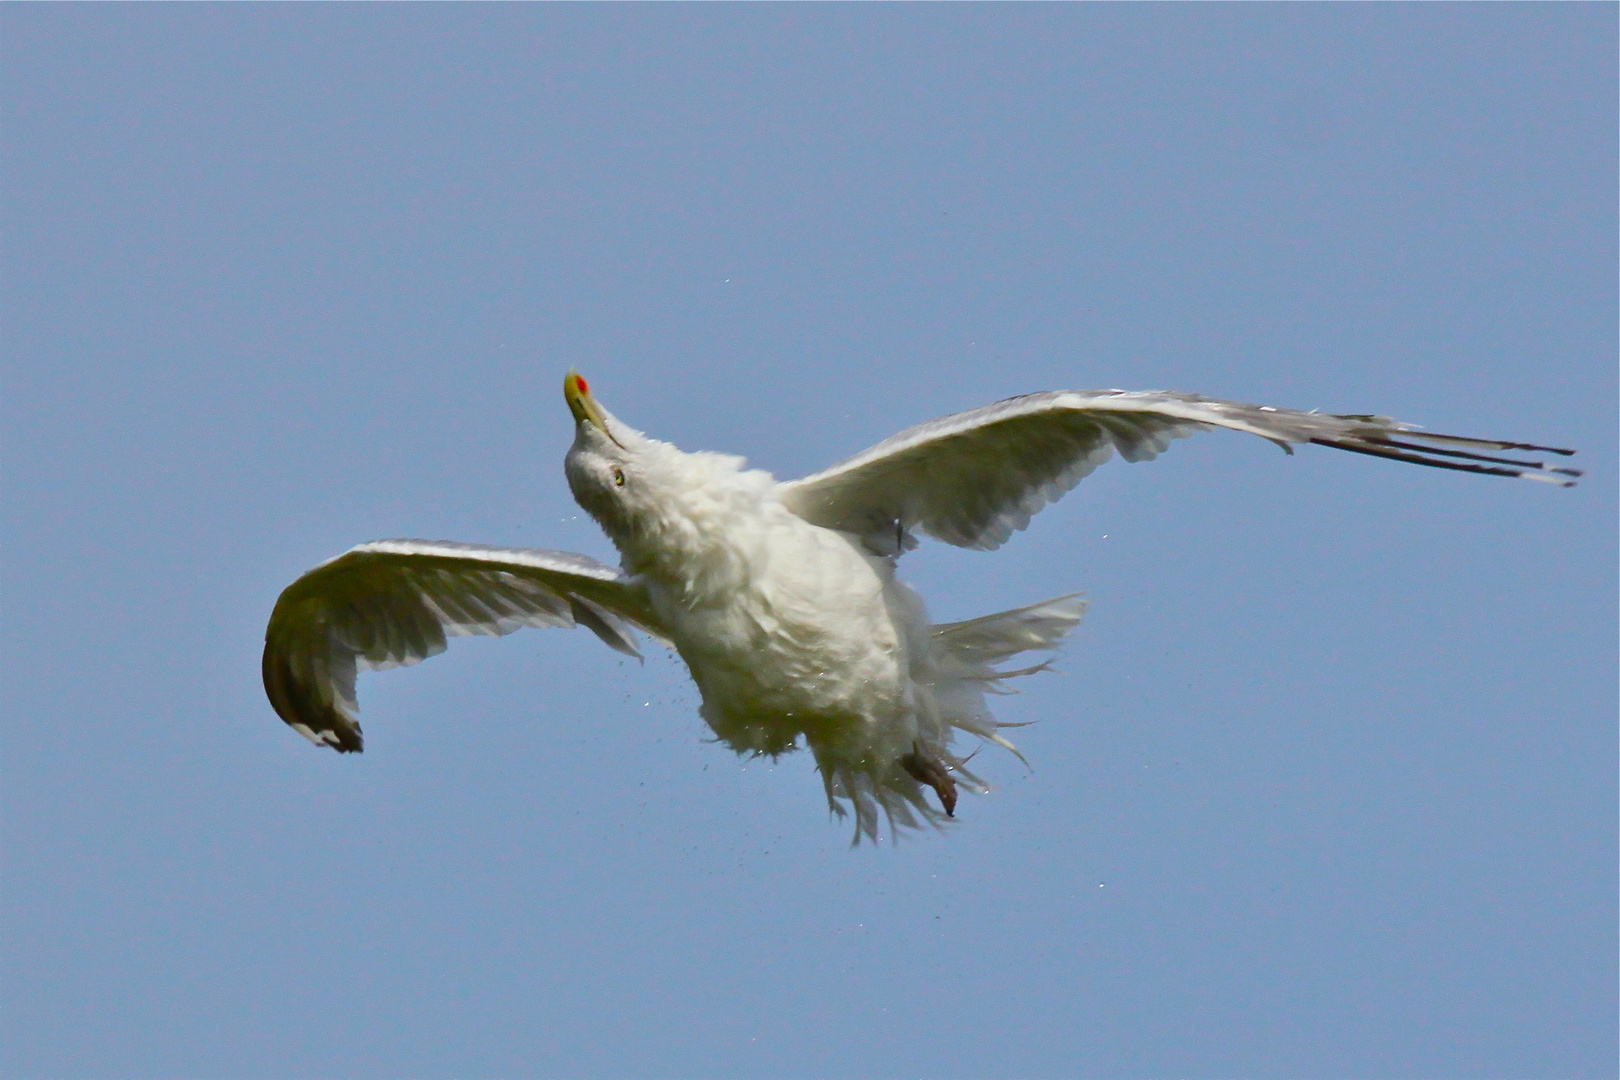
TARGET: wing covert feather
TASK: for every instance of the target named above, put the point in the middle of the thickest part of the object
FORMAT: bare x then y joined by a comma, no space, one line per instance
974,478
392,603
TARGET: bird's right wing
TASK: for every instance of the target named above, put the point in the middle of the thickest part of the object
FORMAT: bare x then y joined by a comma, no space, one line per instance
973,478
391,603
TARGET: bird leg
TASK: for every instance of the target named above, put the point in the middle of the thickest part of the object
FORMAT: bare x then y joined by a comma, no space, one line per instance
927,769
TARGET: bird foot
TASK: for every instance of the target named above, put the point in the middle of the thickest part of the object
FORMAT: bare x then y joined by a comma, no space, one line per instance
927,769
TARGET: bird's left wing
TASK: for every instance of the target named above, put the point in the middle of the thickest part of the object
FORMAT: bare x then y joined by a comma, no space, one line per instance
390,603
974,478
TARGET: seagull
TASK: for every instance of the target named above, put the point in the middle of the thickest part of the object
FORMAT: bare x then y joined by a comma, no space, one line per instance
782,597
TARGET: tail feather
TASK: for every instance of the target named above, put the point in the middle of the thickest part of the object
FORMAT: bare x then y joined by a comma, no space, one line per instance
970,649
965,655
953,667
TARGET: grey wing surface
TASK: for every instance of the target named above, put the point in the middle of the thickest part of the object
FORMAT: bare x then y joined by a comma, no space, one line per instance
391,603
974,478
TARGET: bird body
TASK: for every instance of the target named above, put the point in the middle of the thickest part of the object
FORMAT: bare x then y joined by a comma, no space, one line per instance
792,631
782,598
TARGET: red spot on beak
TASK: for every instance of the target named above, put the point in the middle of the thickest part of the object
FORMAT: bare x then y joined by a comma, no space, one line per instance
584,387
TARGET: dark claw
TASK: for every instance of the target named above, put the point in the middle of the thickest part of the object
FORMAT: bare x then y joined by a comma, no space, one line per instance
926,770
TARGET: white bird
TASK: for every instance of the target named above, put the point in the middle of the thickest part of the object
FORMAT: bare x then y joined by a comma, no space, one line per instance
782,598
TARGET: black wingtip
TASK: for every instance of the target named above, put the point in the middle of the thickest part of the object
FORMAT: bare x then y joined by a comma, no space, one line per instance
317,721
1493,444
345,740
1435,458
1417,448
349,742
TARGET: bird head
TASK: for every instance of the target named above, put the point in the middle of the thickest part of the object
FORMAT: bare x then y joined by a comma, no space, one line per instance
601,460
657,504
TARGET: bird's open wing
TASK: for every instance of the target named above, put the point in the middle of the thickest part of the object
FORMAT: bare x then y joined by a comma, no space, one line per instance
974,478
393,602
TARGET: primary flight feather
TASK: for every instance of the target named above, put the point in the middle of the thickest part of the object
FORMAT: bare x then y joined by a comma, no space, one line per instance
782,598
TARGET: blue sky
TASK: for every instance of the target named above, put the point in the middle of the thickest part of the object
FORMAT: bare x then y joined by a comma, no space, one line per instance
1326,787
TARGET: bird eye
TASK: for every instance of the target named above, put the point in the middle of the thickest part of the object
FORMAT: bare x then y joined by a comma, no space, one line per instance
618,478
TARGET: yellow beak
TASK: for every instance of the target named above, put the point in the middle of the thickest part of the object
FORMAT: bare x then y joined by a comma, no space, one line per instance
577,392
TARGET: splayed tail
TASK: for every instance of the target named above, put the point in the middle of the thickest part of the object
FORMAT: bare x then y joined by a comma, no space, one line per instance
971,650
963,662
967,658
